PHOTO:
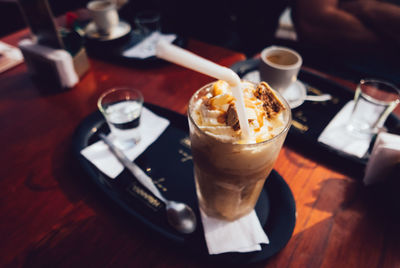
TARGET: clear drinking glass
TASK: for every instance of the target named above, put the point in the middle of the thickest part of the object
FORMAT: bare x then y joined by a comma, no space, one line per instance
148,21
374,100
229,177
122,108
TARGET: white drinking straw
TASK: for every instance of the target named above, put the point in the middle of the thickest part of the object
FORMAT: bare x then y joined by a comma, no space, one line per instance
189,60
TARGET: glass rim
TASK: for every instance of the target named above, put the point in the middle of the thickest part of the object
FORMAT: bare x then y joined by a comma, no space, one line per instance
92,5
271,49
284,130
117,89
376,81
147,16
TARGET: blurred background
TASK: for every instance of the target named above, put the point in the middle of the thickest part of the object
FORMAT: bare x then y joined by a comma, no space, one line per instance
249,26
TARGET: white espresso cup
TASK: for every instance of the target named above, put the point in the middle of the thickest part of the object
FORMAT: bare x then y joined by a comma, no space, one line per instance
279,67
104,15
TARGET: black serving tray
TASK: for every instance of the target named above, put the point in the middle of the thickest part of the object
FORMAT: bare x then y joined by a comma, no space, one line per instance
168,162
112,50
311,118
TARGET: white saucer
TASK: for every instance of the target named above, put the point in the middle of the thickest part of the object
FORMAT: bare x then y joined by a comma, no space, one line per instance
295,94
122,29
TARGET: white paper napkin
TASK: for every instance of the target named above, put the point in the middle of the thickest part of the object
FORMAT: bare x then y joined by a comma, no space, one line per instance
385,155
336,136
147,47
10,56
242,235
151,127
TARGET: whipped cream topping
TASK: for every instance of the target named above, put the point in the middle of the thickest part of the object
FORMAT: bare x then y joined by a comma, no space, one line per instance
215,112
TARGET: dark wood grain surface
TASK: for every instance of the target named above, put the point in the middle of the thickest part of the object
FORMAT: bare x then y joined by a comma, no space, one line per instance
51,216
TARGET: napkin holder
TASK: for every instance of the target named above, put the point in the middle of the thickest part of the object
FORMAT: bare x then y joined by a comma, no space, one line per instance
384,158
54,57
54,66
393,187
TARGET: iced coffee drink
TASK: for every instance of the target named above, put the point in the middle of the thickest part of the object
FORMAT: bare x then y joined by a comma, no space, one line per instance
230,170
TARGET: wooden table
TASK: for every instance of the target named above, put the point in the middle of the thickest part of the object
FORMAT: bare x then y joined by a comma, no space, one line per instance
51,216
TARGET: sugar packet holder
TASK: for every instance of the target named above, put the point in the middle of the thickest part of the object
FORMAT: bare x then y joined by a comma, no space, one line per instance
384,157
54,65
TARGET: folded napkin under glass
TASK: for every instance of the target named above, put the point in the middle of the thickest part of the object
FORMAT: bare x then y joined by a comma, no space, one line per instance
242,235
338,137
385,153
151,127
147,47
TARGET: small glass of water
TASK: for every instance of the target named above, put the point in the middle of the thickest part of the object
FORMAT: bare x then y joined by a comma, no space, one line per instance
148,22
374,100
122,108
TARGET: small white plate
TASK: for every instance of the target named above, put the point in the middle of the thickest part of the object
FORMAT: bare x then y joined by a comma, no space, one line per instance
295,94
122,29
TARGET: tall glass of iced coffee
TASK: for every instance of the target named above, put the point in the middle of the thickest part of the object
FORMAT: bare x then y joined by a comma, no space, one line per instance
230,170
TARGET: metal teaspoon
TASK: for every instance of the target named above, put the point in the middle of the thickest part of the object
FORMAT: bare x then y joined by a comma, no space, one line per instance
179,215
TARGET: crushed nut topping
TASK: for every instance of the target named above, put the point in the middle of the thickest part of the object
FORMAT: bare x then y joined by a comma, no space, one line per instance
222,118
272,105
206,101
232,118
